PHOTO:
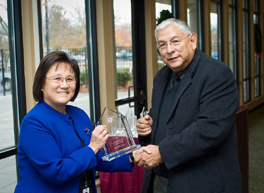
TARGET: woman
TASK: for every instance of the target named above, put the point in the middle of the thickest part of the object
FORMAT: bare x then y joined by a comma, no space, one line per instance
57,151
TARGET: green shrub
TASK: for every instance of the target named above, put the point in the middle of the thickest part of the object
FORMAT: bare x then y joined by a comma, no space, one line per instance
160,64
83,77
123,77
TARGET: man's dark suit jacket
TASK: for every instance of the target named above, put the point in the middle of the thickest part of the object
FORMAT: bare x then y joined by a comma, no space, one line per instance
200,148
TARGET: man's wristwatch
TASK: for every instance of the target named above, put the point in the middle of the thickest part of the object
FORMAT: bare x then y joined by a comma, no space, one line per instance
131,156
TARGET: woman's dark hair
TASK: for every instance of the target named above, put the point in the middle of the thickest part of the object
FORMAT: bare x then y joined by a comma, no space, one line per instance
56,57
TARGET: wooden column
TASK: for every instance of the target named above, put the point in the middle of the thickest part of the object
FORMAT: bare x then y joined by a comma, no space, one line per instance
240,51
225,31
105,38
151,49
183,10
31,46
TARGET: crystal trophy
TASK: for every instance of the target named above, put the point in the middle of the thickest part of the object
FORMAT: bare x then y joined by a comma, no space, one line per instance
120,140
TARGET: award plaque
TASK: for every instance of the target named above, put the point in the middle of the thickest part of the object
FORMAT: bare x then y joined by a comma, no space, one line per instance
120,140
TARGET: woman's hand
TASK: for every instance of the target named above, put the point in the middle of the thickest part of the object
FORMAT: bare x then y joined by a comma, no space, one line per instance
99,137
137,154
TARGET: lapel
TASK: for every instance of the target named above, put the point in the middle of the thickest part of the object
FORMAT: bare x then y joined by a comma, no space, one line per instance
185,82
159,88
160,84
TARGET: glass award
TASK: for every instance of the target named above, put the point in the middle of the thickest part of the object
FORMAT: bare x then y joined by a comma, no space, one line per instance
120,140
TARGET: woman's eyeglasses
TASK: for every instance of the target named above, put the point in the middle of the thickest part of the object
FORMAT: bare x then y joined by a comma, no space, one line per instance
60,79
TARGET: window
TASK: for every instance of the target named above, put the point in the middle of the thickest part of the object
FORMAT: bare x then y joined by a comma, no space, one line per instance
124,54
130,50
215,30
163,8
246,66
64,28
257,56
232,37
8,165
194,20
12,85
7,133
8,174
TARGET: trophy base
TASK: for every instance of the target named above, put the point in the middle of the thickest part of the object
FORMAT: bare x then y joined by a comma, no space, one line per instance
120,153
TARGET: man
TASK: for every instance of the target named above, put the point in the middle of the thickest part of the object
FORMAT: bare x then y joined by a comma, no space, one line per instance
190,128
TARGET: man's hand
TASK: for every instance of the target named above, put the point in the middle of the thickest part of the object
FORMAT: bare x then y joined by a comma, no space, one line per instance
150,160
144,125
137,153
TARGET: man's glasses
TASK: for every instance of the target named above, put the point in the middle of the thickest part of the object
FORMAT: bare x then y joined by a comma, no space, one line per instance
174,43
59,79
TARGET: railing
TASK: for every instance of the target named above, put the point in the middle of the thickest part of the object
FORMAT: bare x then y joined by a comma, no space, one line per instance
122,52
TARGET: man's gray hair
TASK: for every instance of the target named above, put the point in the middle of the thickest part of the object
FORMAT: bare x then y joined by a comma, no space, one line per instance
177,22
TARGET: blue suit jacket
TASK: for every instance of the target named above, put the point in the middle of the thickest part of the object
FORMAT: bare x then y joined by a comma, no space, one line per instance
200,148
50,157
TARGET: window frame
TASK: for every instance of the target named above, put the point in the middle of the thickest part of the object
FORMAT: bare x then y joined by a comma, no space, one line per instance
17,72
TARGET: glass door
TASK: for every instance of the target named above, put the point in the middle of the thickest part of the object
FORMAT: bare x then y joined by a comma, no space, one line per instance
64,28
130,68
